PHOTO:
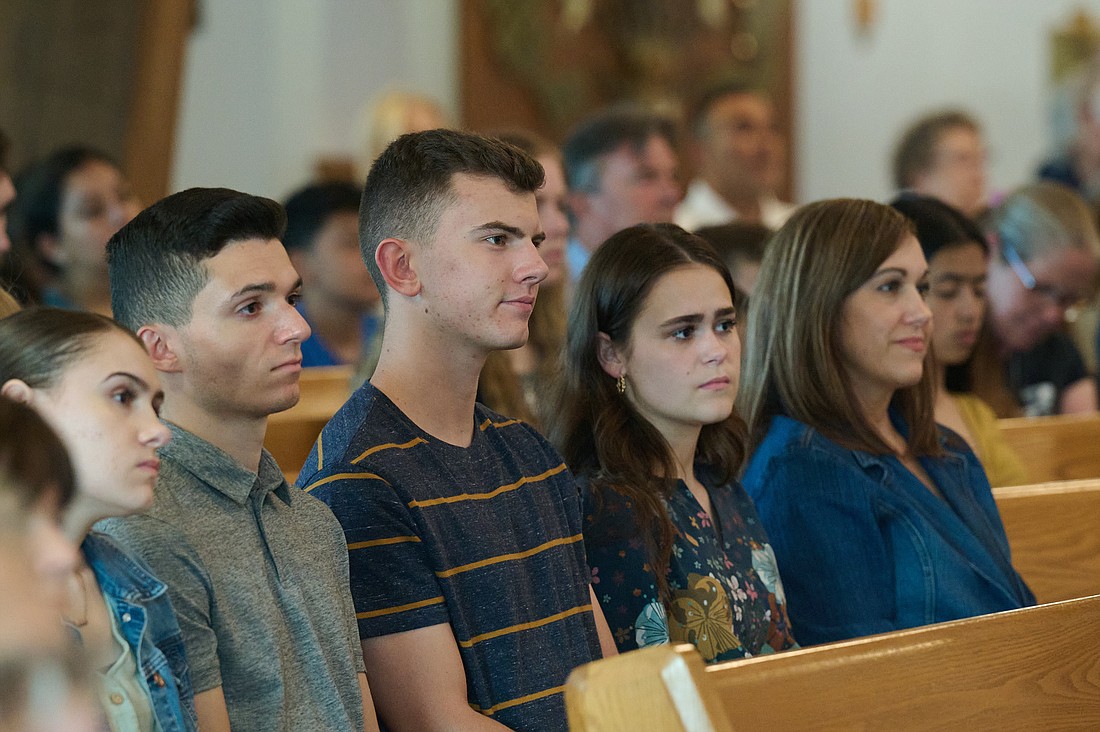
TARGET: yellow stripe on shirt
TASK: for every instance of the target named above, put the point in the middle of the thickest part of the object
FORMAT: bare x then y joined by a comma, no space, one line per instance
520,700
390,446
526,626
344,476
506,423
399,608
491,494
383,542
509,557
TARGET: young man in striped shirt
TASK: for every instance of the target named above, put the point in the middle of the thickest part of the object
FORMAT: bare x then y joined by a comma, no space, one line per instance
468,571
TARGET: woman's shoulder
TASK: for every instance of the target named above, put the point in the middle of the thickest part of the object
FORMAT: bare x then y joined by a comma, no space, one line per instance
792,441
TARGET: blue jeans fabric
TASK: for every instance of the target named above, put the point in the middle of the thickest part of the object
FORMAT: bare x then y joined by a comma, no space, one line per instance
864,547
146,619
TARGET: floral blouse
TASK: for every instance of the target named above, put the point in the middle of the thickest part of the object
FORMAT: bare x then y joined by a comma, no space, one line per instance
727,598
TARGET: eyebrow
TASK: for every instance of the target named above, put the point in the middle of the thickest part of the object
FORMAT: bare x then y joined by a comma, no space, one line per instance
695,318
899,271
158,395
954,277
262,287
501,226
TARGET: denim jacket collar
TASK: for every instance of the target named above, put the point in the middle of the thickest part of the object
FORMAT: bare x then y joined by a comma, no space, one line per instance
118,574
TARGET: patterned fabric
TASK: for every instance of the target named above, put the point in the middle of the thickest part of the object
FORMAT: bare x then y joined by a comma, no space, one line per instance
727,598
486,538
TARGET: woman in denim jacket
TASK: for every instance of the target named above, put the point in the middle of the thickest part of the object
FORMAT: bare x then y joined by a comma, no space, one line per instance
879,518
92,381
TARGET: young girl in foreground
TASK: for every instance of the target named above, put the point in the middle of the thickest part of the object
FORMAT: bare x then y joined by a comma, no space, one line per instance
879,519
646,421
92,381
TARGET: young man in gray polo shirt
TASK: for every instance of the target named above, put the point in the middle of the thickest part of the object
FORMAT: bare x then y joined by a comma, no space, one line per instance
256,569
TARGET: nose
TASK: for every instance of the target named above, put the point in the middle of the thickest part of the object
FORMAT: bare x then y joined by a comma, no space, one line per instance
294,327
531,268
919,313
153,432
971,305
715,348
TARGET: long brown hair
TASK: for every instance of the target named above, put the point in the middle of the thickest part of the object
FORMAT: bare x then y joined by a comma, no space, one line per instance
792,355
599,433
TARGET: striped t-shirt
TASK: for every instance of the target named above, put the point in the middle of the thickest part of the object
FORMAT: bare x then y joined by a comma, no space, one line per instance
487,538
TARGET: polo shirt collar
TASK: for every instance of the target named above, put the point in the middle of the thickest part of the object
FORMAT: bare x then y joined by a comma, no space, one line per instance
217,469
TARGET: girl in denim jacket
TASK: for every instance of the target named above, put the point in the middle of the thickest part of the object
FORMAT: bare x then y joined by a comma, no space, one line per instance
879,518
92,381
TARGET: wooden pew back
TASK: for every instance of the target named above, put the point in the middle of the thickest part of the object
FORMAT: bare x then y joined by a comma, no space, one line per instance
1036,668
1054,532
291,434
1064,447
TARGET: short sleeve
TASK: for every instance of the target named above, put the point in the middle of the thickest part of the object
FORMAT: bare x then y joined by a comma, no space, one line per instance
393,586
622,578
175,562
835,563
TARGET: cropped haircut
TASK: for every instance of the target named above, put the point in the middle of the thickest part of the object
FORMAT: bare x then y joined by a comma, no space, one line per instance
157,261
598,431
309,209
1043,217
604,133
793,359
916,148
410,185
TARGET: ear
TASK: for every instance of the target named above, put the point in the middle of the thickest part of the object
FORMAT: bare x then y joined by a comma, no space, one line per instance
611,360
158,340
51,251
17,390
394,258
577,202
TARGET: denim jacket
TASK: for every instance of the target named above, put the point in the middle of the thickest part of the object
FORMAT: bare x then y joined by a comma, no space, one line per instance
864,547
145,618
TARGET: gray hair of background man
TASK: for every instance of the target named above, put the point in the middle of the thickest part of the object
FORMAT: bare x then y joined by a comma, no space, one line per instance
604,133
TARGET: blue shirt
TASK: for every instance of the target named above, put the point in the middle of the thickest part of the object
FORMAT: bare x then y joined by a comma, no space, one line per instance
576,258
315,352
486,538
864,547
144,616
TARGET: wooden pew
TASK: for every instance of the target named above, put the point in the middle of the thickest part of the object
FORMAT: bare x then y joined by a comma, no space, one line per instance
1064,447
1031,669
1054,532
291,434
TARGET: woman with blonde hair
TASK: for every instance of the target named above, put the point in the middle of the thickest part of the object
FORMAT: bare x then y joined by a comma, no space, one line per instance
879,519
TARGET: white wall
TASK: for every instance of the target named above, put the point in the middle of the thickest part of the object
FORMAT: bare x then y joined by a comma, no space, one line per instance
271,85
855,94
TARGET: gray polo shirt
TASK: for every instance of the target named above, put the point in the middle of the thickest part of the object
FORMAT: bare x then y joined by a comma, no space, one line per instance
258,575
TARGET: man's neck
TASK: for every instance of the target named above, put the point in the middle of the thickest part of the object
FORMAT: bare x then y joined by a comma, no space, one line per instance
337,323
433,385
242,438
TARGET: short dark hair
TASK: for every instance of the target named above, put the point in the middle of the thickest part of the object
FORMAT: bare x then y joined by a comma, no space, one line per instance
917,145
700,108
309,209
605,132
156,262
410,184
41,187
938,225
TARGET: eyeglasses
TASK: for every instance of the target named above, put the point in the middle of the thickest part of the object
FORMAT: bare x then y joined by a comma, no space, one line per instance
1066,301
